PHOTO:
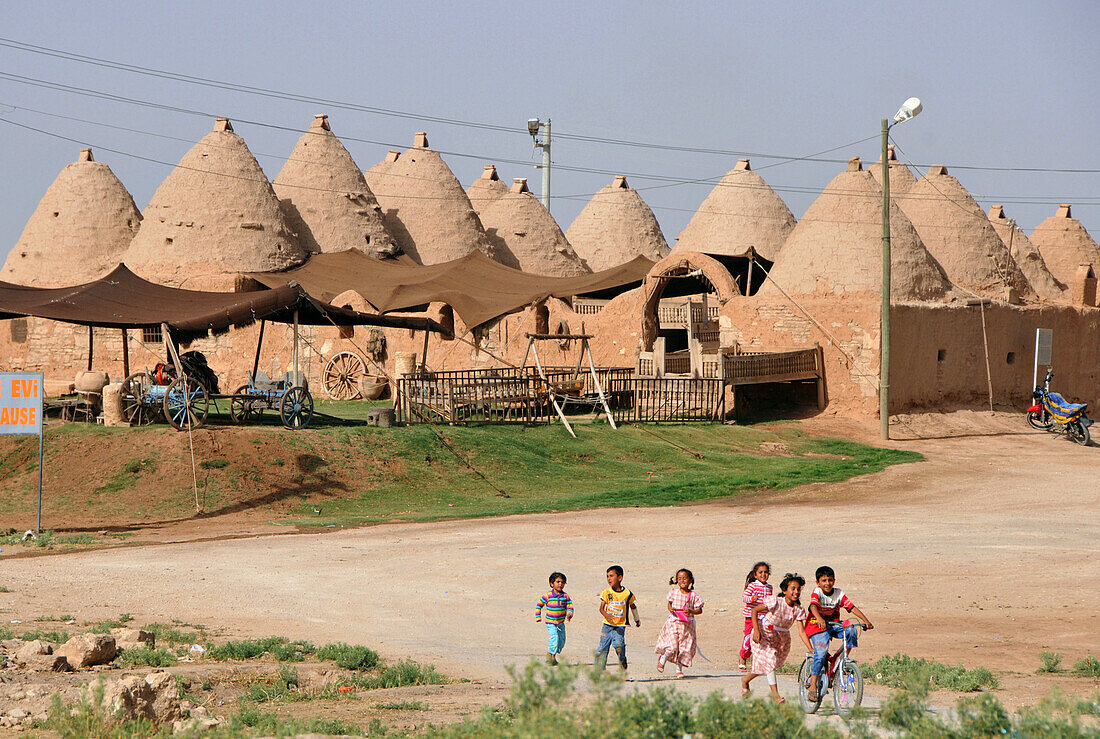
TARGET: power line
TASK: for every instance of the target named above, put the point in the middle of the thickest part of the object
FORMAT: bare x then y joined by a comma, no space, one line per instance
17,45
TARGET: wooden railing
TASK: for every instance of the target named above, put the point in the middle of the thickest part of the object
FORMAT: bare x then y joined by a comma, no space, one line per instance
670,399
588,306
747,369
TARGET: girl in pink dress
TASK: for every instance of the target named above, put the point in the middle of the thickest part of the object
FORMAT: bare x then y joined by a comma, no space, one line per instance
772,621
676,642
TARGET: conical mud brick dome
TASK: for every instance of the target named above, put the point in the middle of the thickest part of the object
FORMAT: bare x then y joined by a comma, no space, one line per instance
1065,245
79,231
615,227
215,215
528,238
326,200
1026,255
426,210
836,248
741,211
486,189
958,234
901,177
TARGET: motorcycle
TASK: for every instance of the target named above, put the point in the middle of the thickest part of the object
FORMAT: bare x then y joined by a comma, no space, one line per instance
1051,410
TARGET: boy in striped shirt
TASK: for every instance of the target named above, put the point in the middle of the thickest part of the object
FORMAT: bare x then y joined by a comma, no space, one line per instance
555,608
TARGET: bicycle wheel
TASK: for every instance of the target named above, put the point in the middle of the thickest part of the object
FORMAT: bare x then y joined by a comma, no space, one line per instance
848,688
810,704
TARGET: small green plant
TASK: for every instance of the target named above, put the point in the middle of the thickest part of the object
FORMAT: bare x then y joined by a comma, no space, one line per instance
1089,667
236,650
4,589
214,464
1052,662
104,627
403,706
78,539
137,466
348,656
172,635
283,687
147,656
903,671
57,637
399,675
6,633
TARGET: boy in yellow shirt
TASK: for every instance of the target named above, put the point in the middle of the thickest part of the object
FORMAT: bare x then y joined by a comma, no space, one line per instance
614,602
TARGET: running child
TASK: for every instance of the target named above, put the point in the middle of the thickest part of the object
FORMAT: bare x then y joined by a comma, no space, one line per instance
556,607
676,642
772,621
756,589
614,602
824,624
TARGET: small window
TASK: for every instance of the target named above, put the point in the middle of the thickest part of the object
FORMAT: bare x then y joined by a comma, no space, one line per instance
347,332
447,321
542,319
941,355
1011,358
18,330
152,335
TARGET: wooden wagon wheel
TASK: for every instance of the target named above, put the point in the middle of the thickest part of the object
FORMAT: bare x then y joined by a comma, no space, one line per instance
139,408
342,375
186,397
242,410
296,408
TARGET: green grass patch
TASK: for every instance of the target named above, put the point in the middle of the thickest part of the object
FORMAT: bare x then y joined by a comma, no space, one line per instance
251,721
214,464
403,706
398,675
78,539
147,656
279,647
127,477
540,469
57,637
903,671
1089,667
172,635
349,657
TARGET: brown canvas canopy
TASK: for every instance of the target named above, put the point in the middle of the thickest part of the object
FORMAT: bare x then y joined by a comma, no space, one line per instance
125,301
475,286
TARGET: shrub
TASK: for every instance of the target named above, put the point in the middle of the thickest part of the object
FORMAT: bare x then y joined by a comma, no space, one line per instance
57,637
295,651
251,721
398,676
657,713
283,686
1052,662
983,715
172,635
147,656
902,710
1089,667
903,671
349,657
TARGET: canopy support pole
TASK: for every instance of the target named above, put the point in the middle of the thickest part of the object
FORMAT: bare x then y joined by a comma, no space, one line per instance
259,344
295,348
91,346
586,349
424,355
550,390
125,353
171,349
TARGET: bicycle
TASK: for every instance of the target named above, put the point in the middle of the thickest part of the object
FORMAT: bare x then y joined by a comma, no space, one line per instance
841,673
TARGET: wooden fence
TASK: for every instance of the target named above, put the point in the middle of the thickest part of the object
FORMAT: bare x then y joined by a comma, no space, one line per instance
670,399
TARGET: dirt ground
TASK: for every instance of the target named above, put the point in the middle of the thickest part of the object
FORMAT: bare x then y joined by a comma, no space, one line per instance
985,554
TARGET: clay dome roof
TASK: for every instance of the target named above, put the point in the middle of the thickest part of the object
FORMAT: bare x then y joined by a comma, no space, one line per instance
741,211
901,177
959,235
615,226
326,200
425,208
836,248
1026,255
527,237
215,215
486,189
1065,244
79,231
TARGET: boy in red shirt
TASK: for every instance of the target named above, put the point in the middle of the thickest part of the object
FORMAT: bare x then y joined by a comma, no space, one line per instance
824,623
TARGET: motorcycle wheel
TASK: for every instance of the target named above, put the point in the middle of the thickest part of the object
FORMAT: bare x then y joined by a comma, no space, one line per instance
1036,421
1079,433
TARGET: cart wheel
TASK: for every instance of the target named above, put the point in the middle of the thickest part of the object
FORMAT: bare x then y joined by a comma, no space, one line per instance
139,406
186,398
296,408
243,410
342,375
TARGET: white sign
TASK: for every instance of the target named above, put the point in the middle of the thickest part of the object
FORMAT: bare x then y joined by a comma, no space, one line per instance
21,398
1044,341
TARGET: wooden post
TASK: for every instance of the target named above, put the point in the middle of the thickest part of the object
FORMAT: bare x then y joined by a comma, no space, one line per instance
295,348
424,356
91,346
820,362
659,357
125,354
259,343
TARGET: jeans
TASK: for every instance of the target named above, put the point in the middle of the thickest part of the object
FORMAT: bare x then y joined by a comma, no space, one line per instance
556,638
611,636
821,643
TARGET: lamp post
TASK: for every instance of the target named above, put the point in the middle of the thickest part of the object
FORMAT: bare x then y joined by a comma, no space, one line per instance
533,126
909,109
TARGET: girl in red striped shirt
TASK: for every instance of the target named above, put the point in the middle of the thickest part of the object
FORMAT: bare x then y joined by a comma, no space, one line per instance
756,590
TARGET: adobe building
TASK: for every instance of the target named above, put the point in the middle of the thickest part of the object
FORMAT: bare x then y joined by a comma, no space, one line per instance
526,237
902,178
486,189
1027,257
615,226
1066,247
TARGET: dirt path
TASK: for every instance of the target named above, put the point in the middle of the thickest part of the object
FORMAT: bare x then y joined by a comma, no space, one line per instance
985,554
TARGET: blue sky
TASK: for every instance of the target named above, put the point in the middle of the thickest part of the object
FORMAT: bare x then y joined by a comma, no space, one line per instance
1008,84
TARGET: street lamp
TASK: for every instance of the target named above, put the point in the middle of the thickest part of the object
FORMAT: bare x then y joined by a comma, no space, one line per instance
533,126
909,109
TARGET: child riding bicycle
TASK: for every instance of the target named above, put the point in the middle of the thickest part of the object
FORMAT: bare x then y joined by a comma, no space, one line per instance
824,623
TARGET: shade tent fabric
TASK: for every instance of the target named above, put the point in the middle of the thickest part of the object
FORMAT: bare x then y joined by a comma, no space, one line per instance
475,286
123,300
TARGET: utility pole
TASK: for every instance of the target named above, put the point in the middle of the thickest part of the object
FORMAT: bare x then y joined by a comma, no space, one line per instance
884,350
533,127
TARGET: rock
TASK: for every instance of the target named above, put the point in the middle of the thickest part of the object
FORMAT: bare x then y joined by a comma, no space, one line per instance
12,645
33,648
47,662
18,714
166,696
87,650
129,638
155,697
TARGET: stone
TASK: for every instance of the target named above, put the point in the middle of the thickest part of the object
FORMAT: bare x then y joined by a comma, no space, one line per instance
155,697
88,650
18,714
165,704
131,638
112,406
33,648
47,662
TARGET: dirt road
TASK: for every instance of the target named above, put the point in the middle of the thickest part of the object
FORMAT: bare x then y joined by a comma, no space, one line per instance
985,554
